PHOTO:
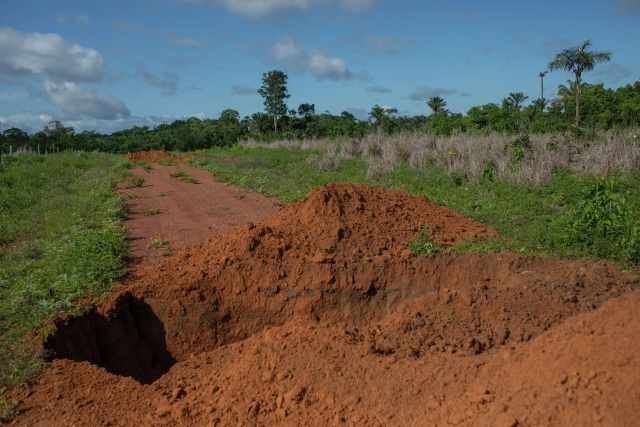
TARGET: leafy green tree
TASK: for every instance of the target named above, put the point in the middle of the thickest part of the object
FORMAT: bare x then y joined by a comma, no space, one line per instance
306,110
578,60
437,104
275,93
230,116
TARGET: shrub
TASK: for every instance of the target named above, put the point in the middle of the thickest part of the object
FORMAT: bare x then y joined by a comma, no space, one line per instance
602,223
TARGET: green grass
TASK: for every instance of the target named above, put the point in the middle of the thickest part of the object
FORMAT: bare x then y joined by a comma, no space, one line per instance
536,221
166,162
283,174
184,177
61,239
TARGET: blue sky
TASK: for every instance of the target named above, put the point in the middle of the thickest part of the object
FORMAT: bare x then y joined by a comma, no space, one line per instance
110,65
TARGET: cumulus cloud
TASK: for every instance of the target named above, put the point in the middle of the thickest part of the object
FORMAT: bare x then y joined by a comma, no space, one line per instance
85,103
48,55
168,83
378,90
288,53
243,90
423,93
259,8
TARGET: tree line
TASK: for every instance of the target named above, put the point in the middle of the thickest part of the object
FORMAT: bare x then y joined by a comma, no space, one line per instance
578,106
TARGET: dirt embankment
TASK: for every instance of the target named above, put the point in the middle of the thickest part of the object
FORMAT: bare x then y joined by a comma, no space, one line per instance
320,314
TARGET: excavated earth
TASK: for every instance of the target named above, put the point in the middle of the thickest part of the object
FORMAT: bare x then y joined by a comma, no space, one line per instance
320,315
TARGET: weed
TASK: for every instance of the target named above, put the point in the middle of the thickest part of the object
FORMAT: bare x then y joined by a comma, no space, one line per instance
151,212
184,177
166,162
133,181
7,407
423,245
161,245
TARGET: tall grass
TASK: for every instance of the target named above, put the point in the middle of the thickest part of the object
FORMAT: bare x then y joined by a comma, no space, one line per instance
526,159
60,240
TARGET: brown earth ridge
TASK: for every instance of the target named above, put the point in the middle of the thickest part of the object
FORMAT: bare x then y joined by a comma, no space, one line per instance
320,315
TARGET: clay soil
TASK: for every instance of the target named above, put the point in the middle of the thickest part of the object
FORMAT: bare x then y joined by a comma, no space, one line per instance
317,314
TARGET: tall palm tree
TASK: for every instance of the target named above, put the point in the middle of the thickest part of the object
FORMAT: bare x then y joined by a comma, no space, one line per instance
516,99
578,60
437,104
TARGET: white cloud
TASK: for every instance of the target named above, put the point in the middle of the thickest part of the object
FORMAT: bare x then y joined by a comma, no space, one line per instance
287,52
85,103
259,8
48,55
34,122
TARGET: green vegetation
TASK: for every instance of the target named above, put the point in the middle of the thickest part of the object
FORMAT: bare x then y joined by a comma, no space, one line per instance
184,177
423,245
550,219
166,162
60,240
284,174
133,181
151,212
161,245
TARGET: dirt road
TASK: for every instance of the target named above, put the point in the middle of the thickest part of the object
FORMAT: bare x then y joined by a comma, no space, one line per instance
166,213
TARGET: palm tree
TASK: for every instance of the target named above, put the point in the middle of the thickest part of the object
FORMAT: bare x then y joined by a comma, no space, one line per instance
437,104
516,99
578,60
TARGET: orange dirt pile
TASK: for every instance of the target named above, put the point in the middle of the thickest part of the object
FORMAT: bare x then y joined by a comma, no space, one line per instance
153,156
320,315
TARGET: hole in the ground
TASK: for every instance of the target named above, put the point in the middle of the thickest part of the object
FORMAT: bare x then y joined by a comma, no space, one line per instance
129,340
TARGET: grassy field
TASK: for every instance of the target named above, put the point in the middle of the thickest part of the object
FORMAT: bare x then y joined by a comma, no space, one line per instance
571,215
60,240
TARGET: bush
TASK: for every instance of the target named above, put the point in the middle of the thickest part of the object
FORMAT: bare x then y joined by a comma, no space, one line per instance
603,222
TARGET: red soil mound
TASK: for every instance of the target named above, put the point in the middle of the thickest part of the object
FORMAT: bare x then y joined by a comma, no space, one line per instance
320,313
153,156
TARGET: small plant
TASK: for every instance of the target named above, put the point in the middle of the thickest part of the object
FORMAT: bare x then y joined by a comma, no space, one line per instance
161,245
184,177
519,148
133,181
151,212
144,165
423,245
162,195
6,408
490,171
166,162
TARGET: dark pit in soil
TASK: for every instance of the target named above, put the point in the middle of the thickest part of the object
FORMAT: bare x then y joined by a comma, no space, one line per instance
128,340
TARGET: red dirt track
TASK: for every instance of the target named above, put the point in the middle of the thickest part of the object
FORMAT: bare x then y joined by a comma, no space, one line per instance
318,314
